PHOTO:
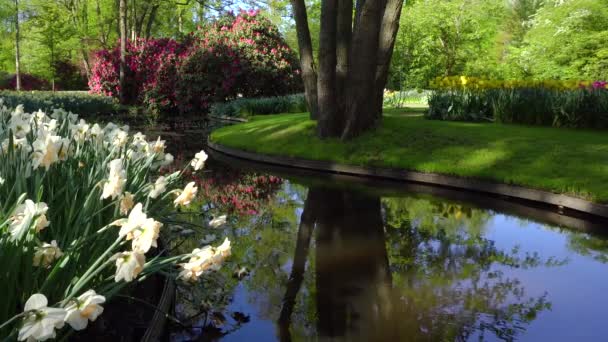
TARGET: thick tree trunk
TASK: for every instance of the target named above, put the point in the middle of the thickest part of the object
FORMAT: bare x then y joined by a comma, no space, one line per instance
388,35
345,28
360,111
328,124
123,48
307,62
17,51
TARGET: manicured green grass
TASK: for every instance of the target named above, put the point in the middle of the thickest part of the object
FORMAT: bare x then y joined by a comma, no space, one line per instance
566,161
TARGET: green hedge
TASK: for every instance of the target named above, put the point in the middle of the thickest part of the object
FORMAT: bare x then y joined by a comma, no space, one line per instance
582,108
78,102
244,107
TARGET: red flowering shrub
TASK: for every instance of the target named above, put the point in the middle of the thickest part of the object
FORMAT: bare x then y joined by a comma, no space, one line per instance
28,82
242,54
268,65
143,60
206,75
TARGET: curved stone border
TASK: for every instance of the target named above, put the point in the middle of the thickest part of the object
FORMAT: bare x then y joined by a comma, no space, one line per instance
514,191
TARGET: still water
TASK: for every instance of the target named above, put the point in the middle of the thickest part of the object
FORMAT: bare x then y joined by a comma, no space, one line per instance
337,259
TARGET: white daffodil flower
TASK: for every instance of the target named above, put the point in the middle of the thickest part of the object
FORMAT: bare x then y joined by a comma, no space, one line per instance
24,216
135,220
116,180
83,309
205,259
128,265
224,249
126,203
41,223
96,133
119,138
19,126
2,181
159,187
80,130
217,222
146,235
157,147
139,138
187,195
199,160
40,321
46,254
49,150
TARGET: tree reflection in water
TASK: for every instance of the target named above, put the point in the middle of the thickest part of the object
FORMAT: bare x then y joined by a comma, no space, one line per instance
405,269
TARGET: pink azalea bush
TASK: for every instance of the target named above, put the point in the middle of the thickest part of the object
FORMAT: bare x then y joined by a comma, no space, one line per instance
238,54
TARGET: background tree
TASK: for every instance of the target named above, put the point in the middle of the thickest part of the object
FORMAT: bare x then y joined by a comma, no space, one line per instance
352,53
17,52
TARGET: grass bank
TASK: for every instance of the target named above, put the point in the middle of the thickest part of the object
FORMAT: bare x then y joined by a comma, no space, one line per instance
573,162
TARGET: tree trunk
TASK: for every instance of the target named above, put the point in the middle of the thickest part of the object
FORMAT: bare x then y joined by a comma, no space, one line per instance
328,125
151,19
360,111
17,52
298,267
307,62
345,28
388,35
123,48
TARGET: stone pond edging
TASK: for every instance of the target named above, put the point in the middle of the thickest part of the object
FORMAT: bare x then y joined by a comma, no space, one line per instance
513,191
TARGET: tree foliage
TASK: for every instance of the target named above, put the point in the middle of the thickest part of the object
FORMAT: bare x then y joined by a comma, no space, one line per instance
552,39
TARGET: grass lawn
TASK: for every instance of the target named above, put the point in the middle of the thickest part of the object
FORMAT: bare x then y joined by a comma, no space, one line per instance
567,161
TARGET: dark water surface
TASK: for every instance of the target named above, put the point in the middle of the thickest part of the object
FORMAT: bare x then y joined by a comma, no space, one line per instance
336,259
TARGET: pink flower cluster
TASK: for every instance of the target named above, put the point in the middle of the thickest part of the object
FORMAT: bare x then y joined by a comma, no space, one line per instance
243,54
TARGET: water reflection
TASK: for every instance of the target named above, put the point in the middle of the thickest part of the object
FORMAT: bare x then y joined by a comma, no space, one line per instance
425,279
334,264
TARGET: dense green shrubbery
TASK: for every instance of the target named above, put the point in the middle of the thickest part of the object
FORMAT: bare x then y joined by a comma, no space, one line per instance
243,107
73,101
580,108
456,105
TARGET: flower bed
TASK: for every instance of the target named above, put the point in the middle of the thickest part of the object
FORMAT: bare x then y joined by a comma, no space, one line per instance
74,226
571,103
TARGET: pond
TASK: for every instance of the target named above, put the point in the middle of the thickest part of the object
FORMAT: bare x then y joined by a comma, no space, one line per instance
331,257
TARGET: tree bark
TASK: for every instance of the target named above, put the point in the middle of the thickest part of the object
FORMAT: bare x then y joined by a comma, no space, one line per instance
388,35
307,62
328,125
123,48
345,28
151,19
360,112
17,51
